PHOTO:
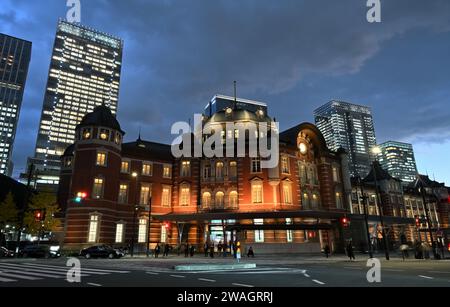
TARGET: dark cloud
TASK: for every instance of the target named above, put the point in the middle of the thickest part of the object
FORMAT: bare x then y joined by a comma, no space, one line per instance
295,55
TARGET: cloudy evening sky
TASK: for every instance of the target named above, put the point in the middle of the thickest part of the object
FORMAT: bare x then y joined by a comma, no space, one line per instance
295,55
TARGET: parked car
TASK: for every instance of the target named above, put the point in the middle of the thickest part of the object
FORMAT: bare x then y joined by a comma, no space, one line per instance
40,251
101,251
6,253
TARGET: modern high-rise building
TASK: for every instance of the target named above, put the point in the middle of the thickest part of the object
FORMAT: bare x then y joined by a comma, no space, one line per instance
398,159
15,55
349,126
84,73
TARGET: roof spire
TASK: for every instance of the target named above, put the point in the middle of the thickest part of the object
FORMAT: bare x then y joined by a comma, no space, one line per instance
139,138
235,95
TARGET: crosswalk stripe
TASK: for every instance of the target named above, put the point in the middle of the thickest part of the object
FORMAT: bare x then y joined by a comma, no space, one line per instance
64,269
19,276
26,269
87,268
7,280
32,273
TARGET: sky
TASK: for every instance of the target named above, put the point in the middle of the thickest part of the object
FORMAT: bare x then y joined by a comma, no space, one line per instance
295,55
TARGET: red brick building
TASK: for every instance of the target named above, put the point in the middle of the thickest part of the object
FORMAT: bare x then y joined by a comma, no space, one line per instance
137,194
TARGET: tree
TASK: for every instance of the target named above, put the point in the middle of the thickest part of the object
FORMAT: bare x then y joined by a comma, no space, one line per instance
46,204
8,212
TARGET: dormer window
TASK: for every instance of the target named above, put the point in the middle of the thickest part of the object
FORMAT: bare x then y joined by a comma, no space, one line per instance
104,134
260,113
87,134
118,138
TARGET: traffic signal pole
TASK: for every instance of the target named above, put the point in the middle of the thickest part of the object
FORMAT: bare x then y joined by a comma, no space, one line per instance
24,209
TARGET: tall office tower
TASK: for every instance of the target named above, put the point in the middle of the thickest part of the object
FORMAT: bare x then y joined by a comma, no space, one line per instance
15,55
349,126
398,159
84,72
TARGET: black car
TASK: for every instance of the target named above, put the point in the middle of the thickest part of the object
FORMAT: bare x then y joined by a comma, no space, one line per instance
6,253
40,251
101,251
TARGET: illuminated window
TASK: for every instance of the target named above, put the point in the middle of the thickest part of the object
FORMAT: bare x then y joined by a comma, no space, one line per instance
185,169
220,198
147,169
166,196
101,159
87,134
93,229
142,235
206,200
144,197
305,201
185,196
285,165
104,134
167,171
257,192
219,170
233,169
123,194
163,234
339,200
315,201
234,198
259,234
336,177
207,172
287,192
97,191
119,233
125,167
118,138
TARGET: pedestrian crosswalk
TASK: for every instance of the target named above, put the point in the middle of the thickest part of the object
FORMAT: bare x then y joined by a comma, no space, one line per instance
16,272
261,270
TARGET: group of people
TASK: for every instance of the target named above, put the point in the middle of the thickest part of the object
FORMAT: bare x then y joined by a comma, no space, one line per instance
223,249
166,251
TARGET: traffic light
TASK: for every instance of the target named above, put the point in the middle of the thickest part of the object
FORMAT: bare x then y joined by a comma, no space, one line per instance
80,197
167,225
418,222
39,215
345,222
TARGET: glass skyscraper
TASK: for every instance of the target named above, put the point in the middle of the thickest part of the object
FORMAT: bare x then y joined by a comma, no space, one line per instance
84,72
15,55
398,159
349,126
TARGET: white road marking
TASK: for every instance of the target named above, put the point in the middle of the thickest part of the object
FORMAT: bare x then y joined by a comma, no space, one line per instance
32,273
6,280
37,270
19,276
207,280
178,276
426,277
392,270
307,276
85,268
95,285
243,285
438,272
152,273
352,268
318,282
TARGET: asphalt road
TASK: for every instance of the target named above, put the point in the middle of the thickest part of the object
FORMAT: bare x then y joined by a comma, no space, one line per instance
270,272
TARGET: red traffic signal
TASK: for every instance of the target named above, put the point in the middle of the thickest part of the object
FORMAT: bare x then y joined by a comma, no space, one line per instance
418,222
39,216
167,225
80,197
345,222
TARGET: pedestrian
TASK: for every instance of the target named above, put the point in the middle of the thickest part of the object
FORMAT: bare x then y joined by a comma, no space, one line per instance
251,253
157,250
224,247
211,251
219,248
186,250
350,252
238,252
192,251
206,247
327,251
166,250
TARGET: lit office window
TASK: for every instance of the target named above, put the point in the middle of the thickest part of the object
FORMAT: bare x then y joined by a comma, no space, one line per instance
285,165
101,159
93,229
147,169
259,234
257,192
166,196
119,233
185,169
287,192
185,195
123,194
144,195
167,171
97,191
142,235
125,167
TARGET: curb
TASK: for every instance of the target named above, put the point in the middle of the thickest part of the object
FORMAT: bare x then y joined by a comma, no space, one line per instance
213,267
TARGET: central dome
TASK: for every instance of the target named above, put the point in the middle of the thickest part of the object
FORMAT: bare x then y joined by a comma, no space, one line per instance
102,117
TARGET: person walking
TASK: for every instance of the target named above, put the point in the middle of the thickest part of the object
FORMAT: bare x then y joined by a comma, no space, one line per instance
186,250
166,250
206,247
225,248
192,251
211,251
219,249
326,250
251,253
238,252
350,251
157,250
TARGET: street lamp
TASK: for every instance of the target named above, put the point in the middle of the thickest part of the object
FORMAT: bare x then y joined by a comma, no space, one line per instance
364,199
376,151
134,175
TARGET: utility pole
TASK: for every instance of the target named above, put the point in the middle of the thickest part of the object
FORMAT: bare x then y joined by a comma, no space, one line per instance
24,209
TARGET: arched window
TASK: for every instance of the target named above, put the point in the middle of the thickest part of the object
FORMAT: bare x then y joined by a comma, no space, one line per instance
219,170
206,199
305,201
287,192
234,199
220,197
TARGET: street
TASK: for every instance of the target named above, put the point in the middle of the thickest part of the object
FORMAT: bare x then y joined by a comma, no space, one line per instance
271,271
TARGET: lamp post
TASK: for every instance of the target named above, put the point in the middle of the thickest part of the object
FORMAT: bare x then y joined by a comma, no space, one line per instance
135,176
366,217
376,151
